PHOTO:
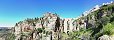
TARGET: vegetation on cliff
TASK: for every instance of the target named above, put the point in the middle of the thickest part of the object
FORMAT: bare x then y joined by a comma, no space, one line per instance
99,23
104,24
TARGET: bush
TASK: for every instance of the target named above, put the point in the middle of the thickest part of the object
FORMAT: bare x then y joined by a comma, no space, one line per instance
10,36
40,30
82,34
108,29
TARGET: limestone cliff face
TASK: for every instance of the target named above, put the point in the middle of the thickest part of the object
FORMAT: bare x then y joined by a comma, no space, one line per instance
50,22
69,25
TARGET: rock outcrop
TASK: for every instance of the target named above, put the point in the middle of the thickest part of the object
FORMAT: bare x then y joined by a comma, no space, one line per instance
50,26
106,37
49,21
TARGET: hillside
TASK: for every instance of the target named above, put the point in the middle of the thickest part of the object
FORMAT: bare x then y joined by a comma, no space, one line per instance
99,23
6,33
96,25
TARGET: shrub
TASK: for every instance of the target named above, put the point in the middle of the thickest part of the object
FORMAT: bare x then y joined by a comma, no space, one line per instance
108,29
40,30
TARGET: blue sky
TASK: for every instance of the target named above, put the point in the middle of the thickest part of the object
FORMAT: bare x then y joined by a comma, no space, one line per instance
13,11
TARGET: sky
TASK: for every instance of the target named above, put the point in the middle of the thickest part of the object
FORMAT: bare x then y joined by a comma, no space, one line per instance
13,11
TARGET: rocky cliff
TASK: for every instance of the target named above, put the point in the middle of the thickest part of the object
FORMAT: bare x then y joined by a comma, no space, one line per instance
89,26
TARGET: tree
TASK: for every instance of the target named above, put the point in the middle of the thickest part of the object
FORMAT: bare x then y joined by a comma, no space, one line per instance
57,25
